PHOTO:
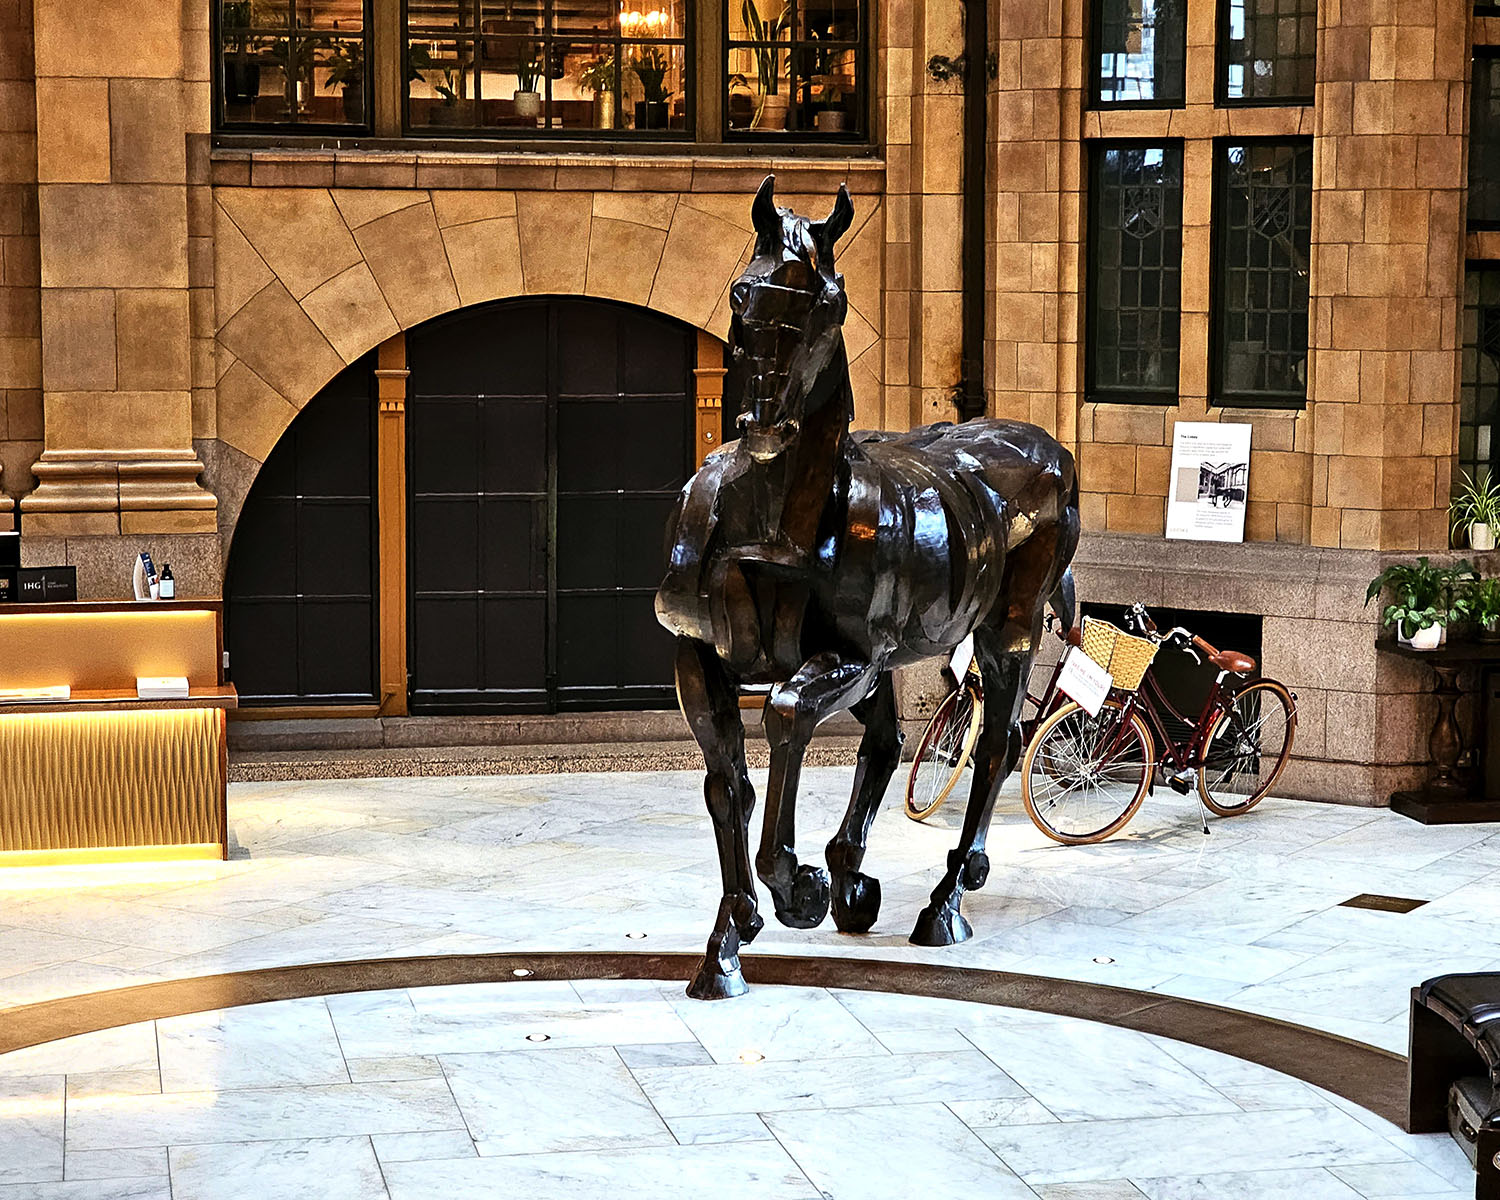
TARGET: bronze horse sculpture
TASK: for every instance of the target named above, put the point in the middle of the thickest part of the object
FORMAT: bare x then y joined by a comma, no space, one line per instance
815,560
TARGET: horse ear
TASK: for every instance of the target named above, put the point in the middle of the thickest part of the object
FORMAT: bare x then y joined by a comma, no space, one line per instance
763,213
827,233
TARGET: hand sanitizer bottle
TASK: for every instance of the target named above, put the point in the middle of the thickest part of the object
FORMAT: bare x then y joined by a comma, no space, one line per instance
167,586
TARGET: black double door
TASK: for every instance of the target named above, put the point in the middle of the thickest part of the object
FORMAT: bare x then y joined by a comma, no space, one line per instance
547,441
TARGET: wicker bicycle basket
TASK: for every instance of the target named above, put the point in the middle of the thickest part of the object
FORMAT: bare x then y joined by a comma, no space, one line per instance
1124,657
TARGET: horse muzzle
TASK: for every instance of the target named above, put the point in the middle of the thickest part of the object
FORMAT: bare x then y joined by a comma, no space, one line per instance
765,442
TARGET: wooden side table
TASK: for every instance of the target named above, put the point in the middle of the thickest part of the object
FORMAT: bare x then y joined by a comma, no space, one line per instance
1446,799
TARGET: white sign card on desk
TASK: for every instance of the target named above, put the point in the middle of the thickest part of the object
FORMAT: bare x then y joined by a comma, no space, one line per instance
1084,680
1210,480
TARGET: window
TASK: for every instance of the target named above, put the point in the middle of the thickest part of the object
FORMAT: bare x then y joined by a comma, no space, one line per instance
1484,143
292,62
1479,395
584,68
1263,224
1268,51
1139,51
794,67
1135,272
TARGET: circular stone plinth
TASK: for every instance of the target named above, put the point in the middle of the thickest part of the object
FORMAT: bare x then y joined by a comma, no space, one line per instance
630,1089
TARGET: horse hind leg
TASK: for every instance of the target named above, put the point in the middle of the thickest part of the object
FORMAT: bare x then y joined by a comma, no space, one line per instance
856,896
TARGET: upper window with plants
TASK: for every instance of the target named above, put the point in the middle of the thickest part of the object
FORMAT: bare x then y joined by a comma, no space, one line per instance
1140,52
1268,51
794,68
291,62
580,68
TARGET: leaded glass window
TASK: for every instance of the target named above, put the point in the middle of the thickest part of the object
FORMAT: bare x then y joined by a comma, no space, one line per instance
1479,395
1263,221
296,63
529,67
1140,51
1484,142
1268,51
1135,272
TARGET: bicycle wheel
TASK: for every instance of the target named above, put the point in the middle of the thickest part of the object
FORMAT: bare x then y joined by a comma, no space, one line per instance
1245,754
943,753
1084,777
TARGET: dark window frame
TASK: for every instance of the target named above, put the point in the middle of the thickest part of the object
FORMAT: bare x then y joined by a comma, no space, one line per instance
1489,55
1093,392
1219,395
1472,462
521,134
221,121
860,44
1096,69
1222,63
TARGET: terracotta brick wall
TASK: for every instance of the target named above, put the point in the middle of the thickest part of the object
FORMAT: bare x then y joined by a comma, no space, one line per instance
20,303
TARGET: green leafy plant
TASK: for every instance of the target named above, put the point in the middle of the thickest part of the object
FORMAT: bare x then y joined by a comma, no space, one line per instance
826,81
1484,603
529,67
599,74
346,65
1475,502
767,58
1423,595
650,67
235,17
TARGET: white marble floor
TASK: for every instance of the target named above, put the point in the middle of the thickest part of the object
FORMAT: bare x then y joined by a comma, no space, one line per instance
1248,917
560,1091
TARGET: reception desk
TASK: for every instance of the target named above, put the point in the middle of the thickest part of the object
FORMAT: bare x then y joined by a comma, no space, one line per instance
103,776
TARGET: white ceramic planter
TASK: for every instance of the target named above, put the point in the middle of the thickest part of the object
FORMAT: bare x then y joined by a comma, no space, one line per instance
527,104
1427,639
1481,536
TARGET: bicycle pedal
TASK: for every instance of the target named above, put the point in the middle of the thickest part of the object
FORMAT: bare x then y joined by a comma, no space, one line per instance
1181,782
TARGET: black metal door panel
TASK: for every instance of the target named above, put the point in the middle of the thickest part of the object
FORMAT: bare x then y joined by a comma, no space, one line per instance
548,441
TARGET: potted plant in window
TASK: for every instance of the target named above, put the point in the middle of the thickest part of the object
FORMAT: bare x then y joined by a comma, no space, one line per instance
347,70
452,108
241,71
601,75
650,67
527,101
773,106
827,88
1484,608
1425,600
1475,510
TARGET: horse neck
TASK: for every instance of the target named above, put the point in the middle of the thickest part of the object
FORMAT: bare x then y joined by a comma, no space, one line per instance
814,463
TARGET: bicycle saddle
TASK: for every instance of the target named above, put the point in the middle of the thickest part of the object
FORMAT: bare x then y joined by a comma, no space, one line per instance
1232,660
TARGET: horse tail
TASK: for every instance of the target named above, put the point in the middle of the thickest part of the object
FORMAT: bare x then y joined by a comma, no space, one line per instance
1063,600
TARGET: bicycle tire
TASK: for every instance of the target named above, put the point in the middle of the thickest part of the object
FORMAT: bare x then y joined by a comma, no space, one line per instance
958,715
1224,792
1053,756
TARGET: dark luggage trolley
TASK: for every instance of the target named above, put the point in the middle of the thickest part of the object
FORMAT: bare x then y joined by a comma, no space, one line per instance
1454,1069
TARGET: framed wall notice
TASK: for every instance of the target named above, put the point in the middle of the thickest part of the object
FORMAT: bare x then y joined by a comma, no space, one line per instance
1210,479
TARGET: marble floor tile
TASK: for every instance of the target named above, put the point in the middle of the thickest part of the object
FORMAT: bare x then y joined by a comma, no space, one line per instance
31,1129
336,1110
786,1024
825,1083
1393,1179
736,1171
1312,1184
341,1169
126,1048
893,1153
423,1147
149,1188
113,1083
1113,1073
260,1045
1157,1147
1104,1189
727,1127
142,1162
533,1103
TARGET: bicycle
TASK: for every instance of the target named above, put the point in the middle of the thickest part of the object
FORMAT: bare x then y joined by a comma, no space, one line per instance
947,744
1084,777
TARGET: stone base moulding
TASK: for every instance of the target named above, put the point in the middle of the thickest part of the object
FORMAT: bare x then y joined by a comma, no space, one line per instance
130,492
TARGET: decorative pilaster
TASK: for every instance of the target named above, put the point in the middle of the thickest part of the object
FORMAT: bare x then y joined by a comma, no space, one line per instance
708,379
113,116
391,374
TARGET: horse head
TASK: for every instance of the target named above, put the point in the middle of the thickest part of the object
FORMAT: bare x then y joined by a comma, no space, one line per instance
786,328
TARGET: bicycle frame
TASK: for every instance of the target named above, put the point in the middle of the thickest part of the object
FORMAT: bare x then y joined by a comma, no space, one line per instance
1183,756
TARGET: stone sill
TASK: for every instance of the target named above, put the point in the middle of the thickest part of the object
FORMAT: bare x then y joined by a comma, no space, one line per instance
280,167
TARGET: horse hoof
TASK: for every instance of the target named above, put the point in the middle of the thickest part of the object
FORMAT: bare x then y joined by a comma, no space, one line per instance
714,982
856,903
940,927
808,904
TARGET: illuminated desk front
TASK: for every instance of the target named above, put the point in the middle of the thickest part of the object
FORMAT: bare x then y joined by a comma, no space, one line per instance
104,776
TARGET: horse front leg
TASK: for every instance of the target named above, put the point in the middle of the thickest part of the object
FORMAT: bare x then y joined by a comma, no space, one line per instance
995,757
856,896
823,685
709,702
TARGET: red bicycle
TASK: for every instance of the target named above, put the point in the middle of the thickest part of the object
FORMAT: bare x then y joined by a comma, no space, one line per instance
1084,776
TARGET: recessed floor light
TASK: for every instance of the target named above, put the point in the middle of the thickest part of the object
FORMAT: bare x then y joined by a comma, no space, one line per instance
751,1056
635,937
521,972
538,1037
1104,960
